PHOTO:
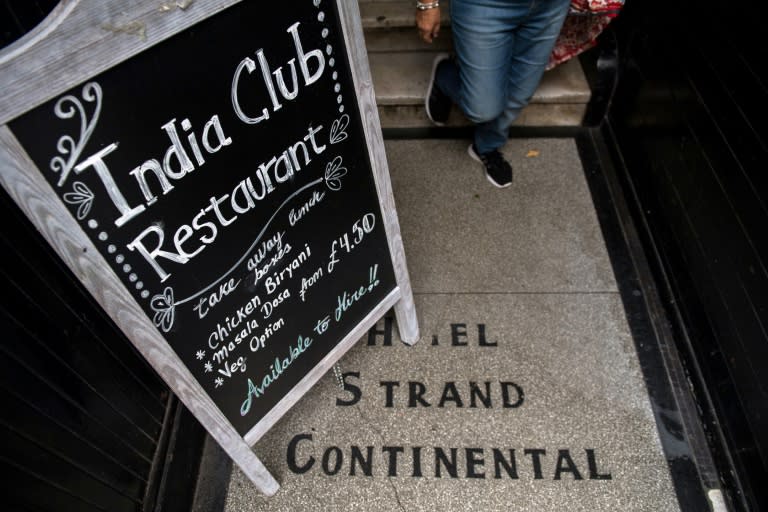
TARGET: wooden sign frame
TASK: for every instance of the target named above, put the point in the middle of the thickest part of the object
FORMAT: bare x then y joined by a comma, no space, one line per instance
79,40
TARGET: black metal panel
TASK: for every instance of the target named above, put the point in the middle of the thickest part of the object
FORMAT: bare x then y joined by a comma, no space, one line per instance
82,413
70,376
27,272
61,345
31,493
23,276
48,465
88,456
689,120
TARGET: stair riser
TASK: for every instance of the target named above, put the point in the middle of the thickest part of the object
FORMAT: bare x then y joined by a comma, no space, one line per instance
405,40
535,115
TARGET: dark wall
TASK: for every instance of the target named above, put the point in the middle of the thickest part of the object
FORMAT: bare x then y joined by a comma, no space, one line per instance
86,424
688,122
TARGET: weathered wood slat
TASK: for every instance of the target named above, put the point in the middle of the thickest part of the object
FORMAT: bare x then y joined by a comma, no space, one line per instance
97,34
405,309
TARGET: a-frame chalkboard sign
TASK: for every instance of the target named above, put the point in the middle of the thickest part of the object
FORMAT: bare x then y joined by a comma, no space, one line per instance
214,174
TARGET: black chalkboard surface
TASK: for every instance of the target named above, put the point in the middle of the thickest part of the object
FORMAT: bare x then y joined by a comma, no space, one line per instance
225,178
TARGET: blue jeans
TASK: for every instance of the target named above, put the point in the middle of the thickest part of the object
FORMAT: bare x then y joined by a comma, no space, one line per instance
502,47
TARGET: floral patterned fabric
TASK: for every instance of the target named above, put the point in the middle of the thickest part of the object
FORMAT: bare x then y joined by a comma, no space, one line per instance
585,21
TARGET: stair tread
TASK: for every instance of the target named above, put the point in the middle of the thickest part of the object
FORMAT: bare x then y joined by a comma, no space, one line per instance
402,79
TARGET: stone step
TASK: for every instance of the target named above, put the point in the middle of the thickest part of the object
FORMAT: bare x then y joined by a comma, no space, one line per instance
401,64
401,78
392,13
405,39
390,25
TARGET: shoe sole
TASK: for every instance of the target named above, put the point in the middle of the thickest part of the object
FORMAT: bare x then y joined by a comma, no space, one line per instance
440,58
476,158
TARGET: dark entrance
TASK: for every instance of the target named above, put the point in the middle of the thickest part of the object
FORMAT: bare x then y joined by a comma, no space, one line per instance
687,127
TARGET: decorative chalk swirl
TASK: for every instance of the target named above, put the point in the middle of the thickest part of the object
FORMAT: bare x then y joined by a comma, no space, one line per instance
339,129
69,149
333,174
81,196
164,308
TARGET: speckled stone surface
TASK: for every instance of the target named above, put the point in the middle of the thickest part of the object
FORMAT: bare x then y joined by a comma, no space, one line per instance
463,235
517,302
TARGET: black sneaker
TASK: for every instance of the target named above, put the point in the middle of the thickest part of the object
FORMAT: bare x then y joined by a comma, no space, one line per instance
497,170
437,103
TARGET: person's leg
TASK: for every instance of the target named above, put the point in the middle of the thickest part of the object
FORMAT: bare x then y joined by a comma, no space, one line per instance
477,81
534,40
502,48
483,36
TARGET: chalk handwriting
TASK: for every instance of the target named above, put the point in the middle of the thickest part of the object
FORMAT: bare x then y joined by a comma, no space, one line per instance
348,299
265,82
222,210
296,215
332,259
260,272
271,283
360,228
211,300
269,307
261,85
276,369
176,164
322,325
230,368
307,283
275,242
225,349
232,322
258,341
